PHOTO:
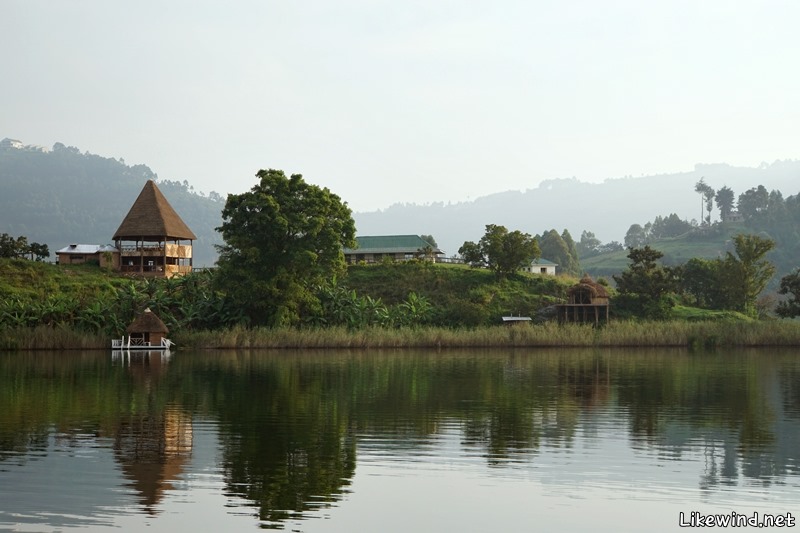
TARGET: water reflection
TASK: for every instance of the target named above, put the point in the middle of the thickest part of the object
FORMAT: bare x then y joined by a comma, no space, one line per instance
291,427
152,449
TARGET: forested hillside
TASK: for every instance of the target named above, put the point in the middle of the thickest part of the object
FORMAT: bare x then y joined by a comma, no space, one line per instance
64,196
766,214
606,209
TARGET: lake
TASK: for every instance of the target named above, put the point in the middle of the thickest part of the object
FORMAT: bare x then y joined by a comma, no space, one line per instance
399,441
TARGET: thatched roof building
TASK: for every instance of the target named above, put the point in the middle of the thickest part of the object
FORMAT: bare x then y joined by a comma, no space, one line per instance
147,322
587,291
154,231
152,218
587,301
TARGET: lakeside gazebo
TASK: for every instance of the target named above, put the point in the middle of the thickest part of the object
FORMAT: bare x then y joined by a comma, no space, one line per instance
148,328
152,238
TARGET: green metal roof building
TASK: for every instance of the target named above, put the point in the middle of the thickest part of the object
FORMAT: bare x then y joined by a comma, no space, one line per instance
372,249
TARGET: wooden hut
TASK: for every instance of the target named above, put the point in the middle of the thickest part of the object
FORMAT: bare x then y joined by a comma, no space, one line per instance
588,302
152,238
147,330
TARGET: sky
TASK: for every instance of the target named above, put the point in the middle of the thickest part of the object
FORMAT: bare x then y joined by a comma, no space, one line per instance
387,102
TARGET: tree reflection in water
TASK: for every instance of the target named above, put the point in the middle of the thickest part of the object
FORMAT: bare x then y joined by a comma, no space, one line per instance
291,423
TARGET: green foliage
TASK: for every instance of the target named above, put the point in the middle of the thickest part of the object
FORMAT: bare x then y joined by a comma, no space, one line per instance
429,239
646,288
561,251
19,247
282,239
503,252
589,245
471,253
91,300
790,285
636,236
707,194
733,282
700,280
747,273
65,196
753,201
667,227
458,296
724,199
661,228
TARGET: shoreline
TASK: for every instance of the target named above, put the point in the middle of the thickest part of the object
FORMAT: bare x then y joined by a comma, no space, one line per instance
686,334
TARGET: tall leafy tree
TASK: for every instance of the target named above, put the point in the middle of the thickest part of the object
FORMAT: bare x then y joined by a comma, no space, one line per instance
645,288
707,198
669,226
282,239
790,285
636,236
724,199
574,262
554,248
700,280
753,201
507,251
748,271
501,250
589,244
471,253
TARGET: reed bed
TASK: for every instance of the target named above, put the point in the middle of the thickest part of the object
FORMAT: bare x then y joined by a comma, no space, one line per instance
676,333
49,338
616,334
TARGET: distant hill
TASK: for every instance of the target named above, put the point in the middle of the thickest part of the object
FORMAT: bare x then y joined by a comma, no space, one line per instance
61,197
607,209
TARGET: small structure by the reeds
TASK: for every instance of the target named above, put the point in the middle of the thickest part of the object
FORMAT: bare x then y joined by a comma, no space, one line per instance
588,302
149,328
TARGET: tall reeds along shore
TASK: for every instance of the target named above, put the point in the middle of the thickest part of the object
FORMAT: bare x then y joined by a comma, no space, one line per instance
622,334
673,333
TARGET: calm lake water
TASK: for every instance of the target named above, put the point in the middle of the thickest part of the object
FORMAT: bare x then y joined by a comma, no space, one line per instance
406,441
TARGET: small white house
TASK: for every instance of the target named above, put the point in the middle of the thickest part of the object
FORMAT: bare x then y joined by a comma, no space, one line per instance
11,143
541,266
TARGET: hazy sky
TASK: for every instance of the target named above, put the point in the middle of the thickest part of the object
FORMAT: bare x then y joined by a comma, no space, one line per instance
405,101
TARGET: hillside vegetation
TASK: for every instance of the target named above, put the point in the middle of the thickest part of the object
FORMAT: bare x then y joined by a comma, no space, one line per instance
676,250
65,197
460,295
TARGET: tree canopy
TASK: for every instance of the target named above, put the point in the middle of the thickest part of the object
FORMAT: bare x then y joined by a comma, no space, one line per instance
283,238
707,196
790,285
724,199
502,251
748,271
11,247
560,249
645,287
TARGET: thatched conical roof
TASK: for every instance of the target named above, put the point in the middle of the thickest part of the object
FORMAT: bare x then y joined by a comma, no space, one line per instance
588,284
147,322
152,218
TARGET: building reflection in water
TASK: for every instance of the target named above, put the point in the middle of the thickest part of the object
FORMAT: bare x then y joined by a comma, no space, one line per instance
154,443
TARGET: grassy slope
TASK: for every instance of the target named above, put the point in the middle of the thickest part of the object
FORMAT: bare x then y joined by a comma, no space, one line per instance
676,250
461,294
29,280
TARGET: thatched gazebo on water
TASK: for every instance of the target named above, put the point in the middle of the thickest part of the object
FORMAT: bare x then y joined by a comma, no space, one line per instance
147,329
